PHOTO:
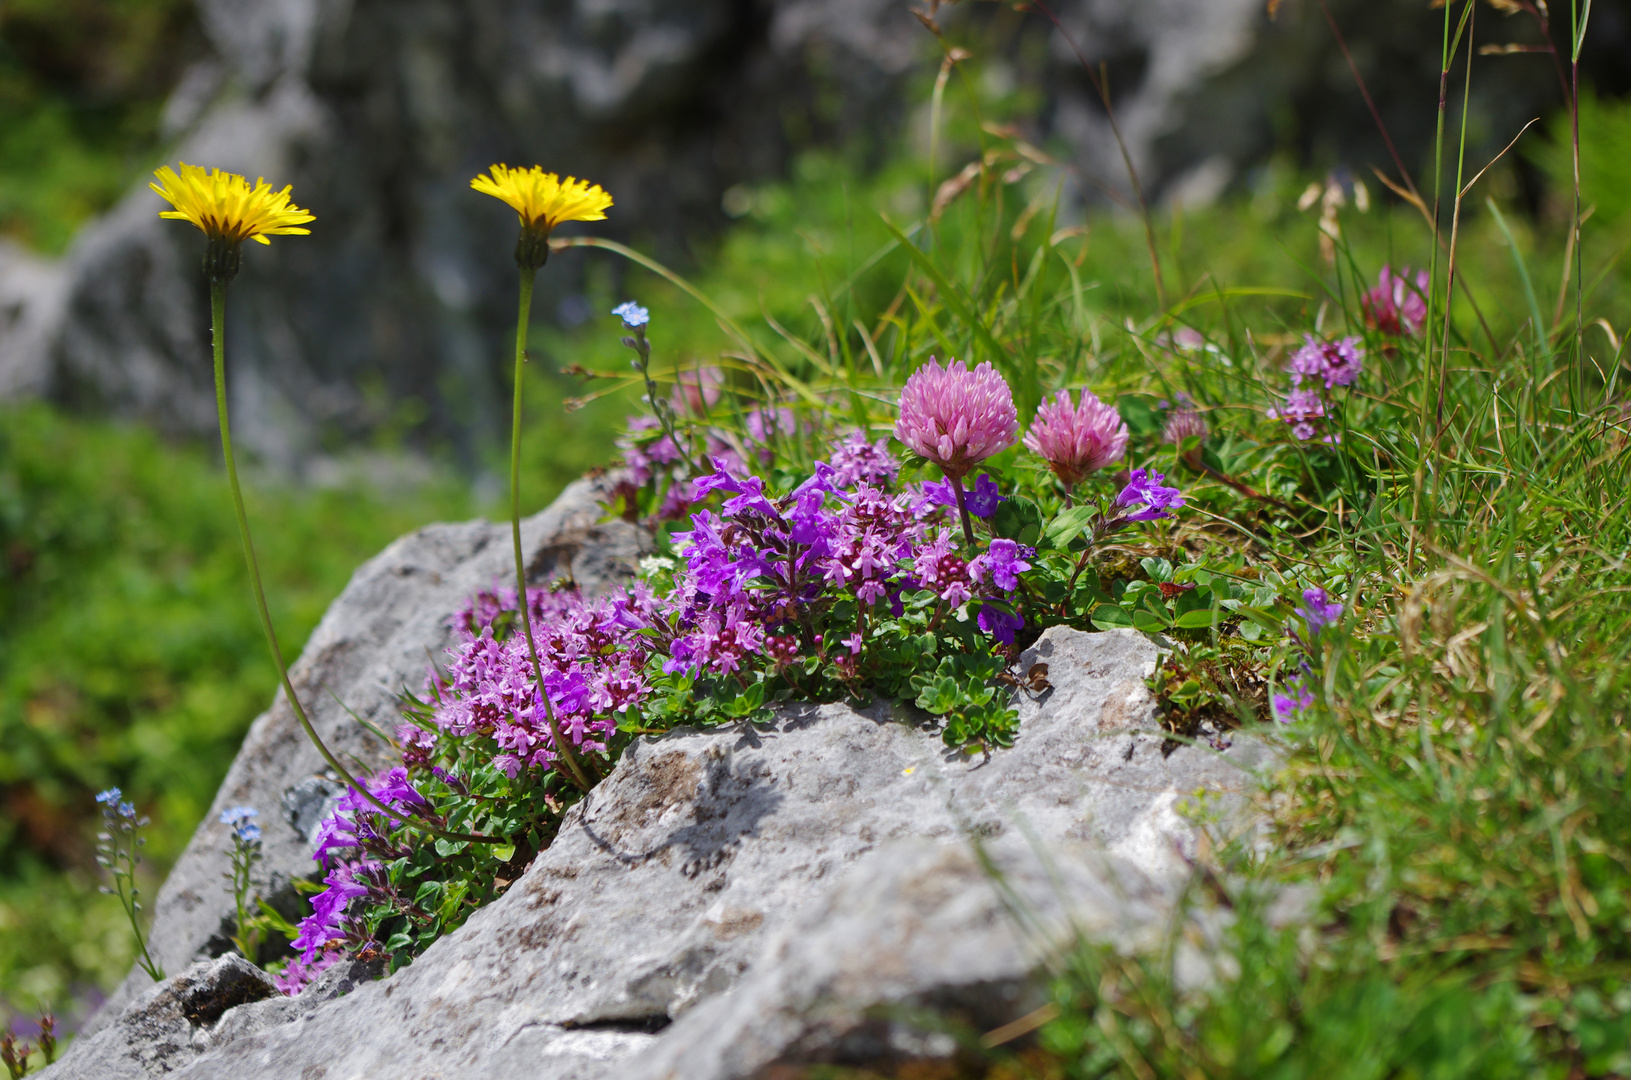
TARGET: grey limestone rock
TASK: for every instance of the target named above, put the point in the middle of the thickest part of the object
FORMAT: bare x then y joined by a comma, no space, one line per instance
164,1028
375,641
708,859
32,294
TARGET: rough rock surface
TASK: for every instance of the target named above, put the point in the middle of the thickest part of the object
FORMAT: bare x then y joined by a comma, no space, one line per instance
722,858
374,641
165,1027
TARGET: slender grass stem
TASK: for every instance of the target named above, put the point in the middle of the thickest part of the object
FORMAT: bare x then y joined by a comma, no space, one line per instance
218,313
565,751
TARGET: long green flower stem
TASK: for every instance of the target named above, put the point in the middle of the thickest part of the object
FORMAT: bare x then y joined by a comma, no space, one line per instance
528,275
218,319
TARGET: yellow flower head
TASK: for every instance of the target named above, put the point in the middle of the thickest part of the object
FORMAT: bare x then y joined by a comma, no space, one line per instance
543,199
226,207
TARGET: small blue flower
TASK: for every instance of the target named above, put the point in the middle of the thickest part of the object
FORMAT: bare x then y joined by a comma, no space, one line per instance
126,810
110,797
235,815
633,315
249,834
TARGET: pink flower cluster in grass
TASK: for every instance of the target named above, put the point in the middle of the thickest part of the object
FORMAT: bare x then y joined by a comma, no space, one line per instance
1398,303
956,418
1303,411
1079,440
1334,363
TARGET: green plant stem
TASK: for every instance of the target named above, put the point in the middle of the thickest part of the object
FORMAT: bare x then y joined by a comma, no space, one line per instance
218,319
962,509
153,970
527,277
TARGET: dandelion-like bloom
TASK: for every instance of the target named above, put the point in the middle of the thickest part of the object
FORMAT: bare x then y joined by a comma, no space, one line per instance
1077,441
1398,304
955,417
229,211
542,200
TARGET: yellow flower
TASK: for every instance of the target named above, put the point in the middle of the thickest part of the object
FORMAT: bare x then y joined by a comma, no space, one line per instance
543,199
226,207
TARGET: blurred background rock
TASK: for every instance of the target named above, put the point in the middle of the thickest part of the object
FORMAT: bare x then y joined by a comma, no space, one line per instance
379,111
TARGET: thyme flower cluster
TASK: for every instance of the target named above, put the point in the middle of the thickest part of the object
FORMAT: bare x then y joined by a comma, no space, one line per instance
850,583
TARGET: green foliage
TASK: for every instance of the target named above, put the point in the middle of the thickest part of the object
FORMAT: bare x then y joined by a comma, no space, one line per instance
130,655
82,83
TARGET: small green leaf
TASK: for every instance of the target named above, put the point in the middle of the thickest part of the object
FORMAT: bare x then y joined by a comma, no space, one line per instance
1111,617
1067,525
1148,623
445,847
503,852
1140,414
1196,619
1018,519
399,940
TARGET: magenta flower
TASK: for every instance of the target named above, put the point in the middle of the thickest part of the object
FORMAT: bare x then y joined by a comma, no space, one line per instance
1292,700
1077,441
1319,610
1397,305
1145,498
956,418
1302,411
1336,363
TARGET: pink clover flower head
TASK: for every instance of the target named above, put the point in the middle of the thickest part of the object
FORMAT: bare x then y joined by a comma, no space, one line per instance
1184,424
1076,441
1398,304
1302,410
956,418
1146,498
1336,363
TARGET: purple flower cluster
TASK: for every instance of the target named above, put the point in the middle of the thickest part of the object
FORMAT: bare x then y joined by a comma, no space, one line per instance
1292,699
1317,368
1319,611
1335,363
1146,499
981,502
1303,411
593,658
343,840
751,569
